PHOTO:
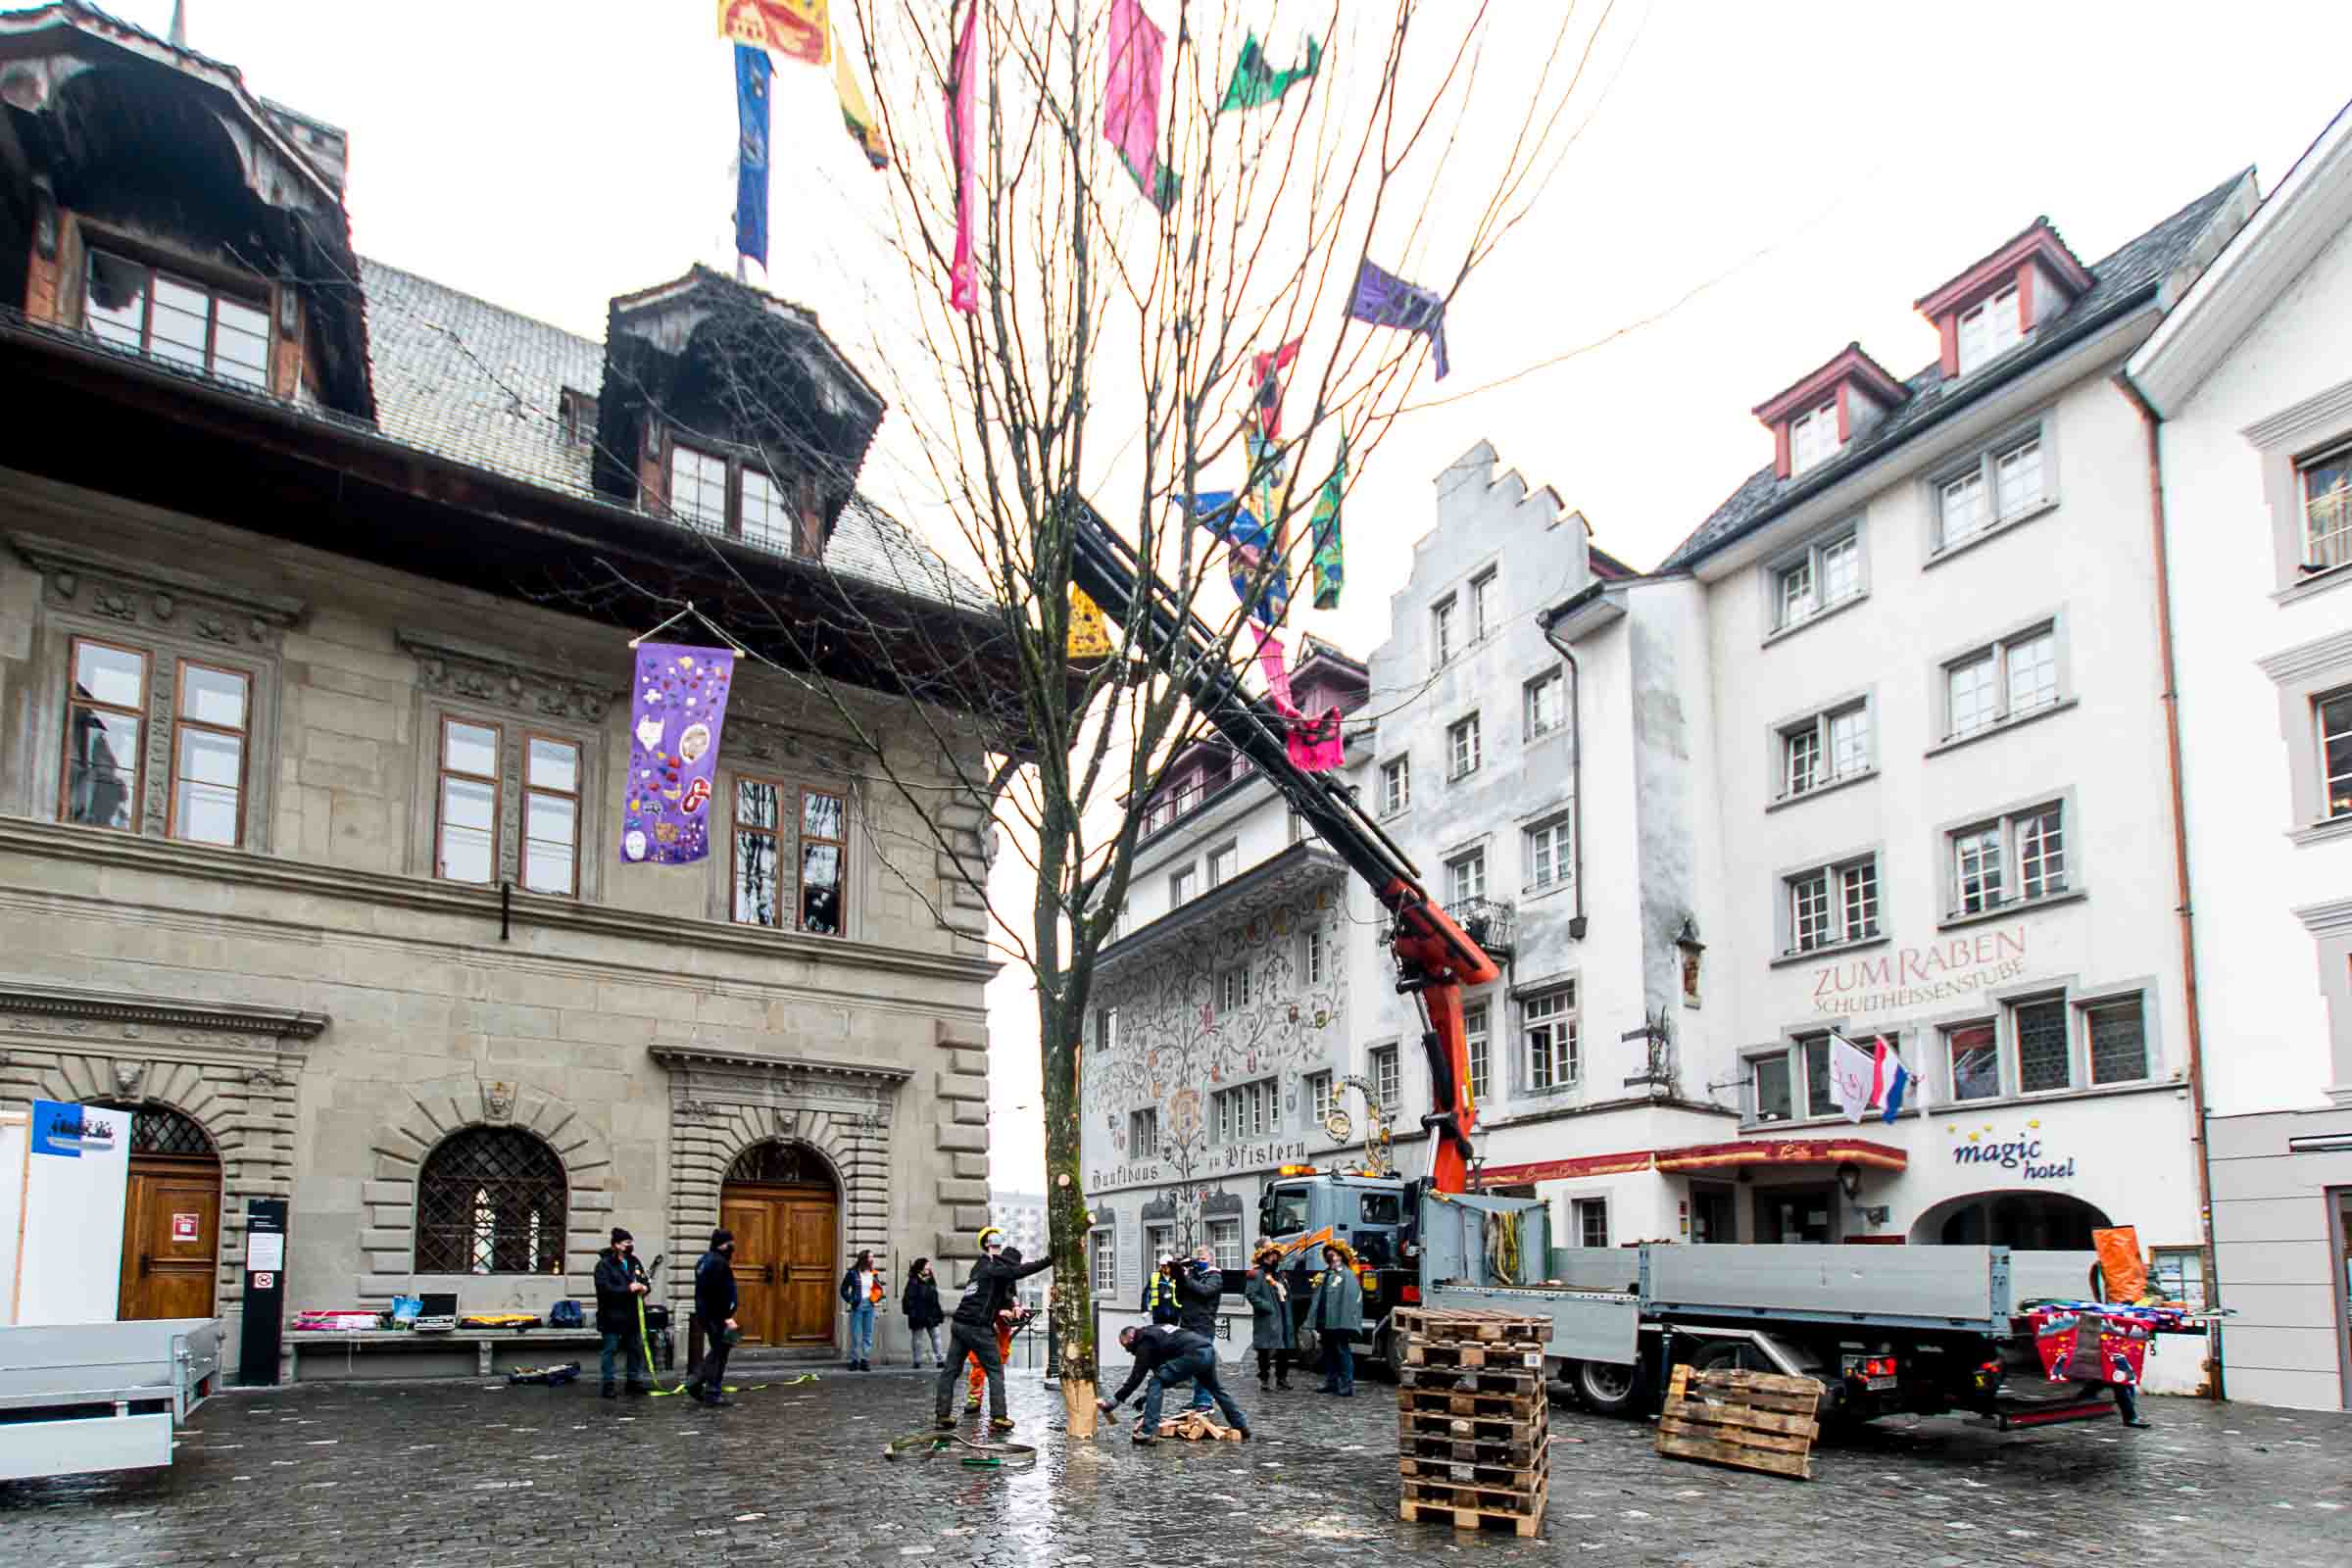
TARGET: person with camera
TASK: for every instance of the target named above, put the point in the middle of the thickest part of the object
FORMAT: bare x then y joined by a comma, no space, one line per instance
1199,1289
714,1309
988,1304
619,1281
1165,1355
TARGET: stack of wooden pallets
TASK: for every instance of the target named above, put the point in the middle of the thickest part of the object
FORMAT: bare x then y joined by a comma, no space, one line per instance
1754,1420
1473,1425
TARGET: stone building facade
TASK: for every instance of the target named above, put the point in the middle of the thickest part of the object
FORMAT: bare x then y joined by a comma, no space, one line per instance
314,747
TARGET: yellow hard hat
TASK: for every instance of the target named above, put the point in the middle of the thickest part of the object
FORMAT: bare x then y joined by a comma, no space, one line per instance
986,1231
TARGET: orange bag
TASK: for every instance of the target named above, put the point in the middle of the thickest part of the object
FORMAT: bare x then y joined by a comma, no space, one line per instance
2120,1263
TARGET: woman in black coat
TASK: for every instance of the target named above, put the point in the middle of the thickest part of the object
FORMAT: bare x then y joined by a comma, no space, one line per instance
923,1316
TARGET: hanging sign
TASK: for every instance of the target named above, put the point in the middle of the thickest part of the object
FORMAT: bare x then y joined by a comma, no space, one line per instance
185,1228
676,710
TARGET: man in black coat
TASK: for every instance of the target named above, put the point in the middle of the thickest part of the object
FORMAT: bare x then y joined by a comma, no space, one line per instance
1200,1286
1168,1356
619,1281
714,1306
972,1331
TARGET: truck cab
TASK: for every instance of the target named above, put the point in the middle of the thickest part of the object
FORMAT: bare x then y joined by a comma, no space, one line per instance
1377,1217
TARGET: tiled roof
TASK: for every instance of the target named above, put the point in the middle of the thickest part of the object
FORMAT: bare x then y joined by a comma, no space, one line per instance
464,379
2124,281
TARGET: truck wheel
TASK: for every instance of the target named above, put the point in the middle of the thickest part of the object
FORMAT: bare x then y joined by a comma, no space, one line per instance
1608,1388
1729,1355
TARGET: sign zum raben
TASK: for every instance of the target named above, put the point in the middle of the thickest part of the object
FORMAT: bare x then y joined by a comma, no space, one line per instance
1919,977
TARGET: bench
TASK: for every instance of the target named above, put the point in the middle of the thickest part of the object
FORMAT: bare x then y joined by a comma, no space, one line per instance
518,1347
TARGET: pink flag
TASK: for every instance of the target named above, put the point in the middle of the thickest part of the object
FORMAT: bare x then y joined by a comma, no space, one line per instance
1131,89
1316,744
962,292
1278,676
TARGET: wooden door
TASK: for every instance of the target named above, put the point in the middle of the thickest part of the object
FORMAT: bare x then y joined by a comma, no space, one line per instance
170,1238
812,1288
756,1292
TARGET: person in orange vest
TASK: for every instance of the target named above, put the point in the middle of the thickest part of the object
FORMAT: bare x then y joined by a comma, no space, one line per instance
1004,1327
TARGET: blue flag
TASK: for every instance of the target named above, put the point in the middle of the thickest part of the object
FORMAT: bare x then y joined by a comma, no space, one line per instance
751,178
1260,579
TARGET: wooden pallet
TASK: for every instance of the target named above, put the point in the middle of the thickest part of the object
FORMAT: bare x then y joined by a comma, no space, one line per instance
1524,1475
1454,1451
1513,1404
1195,1426
1754,1420
1512,1354
1509,1381
1459,1324
1526,1428
1522,1515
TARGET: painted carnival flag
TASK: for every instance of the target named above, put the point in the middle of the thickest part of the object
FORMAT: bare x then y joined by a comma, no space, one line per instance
1852,1077
1267,369
1330,561
963,290
1384,298
855,117
1260,580
1256,83
751,83
676,712
1890,1080
794,29
1131,100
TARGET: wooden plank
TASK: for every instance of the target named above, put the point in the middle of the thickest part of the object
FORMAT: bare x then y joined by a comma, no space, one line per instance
1450,1450
1468,1429
1517,1356
1737,1437
1758,1420
1522,1479
1467,1518
1517,1405
1472,1494
1508,1382
1796,1466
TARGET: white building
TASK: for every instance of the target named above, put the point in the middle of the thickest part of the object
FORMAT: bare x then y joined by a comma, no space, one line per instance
1220,1017
1022,1218
2248,376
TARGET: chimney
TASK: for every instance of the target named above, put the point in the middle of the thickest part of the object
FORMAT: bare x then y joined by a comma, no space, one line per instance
180,24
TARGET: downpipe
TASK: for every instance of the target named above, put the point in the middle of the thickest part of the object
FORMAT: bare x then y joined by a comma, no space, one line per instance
1576,773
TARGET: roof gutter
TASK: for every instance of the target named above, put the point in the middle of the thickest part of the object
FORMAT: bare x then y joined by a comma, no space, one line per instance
2170,696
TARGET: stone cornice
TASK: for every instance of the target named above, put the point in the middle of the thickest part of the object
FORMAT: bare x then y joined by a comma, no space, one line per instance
47,841
455,667
143,591
41,999
688,1054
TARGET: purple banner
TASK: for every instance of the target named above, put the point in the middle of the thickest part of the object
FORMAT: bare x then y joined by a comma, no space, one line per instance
676,715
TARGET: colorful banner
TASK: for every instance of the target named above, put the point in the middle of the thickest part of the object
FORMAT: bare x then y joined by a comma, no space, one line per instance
751,82
1089,635
855,117
963,292
794,29
676,712
1260,579
1384,298
1256,83
1323,527
1267,369
1131,100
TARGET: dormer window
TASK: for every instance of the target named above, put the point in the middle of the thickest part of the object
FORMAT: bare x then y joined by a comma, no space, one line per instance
1813,438
165,315
1989,330
732,496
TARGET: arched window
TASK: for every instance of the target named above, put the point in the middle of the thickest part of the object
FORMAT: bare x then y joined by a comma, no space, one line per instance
795,1164
159,1130
490,1201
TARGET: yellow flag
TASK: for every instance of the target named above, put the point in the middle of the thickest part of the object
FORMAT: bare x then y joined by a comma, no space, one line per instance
860,120
1090,634
794,29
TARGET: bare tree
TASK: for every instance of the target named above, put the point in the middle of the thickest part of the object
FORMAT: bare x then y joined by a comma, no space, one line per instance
1108,355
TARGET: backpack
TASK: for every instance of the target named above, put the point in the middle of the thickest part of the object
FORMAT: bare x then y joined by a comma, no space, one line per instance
565,1315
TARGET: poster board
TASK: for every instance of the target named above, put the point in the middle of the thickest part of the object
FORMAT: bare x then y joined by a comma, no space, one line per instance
15,1134
76,1176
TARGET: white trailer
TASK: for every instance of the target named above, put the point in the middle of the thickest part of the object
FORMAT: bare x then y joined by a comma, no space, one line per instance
101,1396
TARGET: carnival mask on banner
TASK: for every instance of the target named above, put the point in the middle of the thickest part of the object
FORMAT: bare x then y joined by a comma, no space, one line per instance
676,714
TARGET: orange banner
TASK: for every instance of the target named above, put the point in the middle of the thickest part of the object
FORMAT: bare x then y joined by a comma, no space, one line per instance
796,29
2120,1262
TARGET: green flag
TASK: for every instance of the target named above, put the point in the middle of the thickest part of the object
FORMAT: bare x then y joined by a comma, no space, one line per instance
1330,570
1256,83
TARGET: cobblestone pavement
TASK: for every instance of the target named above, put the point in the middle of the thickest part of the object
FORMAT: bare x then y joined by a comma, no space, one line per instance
392,1476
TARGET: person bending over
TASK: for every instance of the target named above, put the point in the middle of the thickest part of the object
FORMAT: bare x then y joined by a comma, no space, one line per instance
1166,1355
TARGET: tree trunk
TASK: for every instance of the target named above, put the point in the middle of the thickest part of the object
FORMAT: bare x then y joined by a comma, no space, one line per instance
1066,1217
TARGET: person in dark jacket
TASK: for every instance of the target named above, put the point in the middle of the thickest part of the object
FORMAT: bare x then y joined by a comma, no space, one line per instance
923,1314
861,1293
1200,1286
715,1305
1165,1355
1270,1334
619,1281
1338,1314
988,1297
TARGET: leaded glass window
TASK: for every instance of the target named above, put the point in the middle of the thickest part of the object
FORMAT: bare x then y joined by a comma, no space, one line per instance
490,1201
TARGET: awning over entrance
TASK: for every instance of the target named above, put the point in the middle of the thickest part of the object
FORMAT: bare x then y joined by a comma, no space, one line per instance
1793,1153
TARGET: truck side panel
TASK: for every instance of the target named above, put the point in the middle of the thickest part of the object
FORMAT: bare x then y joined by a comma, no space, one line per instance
1585,1325
1922,1286
31,1448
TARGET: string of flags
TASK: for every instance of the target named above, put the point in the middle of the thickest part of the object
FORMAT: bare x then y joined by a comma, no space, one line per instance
798,30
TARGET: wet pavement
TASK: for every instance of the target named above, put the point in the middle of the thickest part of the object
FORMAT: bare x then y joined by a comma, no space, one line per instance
394,1476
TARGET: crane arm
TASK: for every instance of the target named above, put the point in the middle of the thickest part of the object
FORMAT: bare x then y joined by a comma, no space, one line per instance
1435,956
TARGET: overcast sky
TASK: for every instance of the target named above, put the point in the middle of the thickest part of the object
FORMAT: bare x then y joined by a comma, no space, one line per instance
1815,168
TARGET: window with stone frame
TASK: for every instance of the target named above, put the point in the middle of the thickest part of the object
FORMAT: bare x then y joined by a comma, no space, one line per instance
1998,484
1590,1219
1546,703
1466,877
550,816
1233,988
2332,716
1820,577
2017,857
490,1201
1106,1029
2323,482
1549,1026
1395,785
779,826
2114,1039
1478,1041
466,816
1486,605
1462,745
1831,904
206,708
1551,853
1225,1240
1388,1077
1319,1098
1973,1059
1443,632
1244,1111
2005,680
1824,748
1318,959
1106,1245
1143,1134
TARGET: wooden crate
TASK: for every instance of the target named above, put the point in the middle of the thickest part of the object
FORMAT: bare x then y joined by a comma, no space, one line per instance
1455,1325
1754,1420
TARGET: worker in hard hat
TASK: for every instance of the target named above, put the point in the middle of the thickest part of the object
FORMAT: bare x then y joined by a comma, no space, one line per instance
1004,1327
987,1298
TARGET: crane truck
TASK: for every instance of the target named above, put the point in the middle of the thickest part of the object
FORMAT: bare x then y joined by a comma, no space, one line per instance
1919,1329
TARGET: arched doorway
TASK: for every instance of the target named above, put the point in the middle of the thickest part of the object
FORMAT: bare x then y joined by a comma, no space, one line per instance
170,1217
784,1206
2025,1219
